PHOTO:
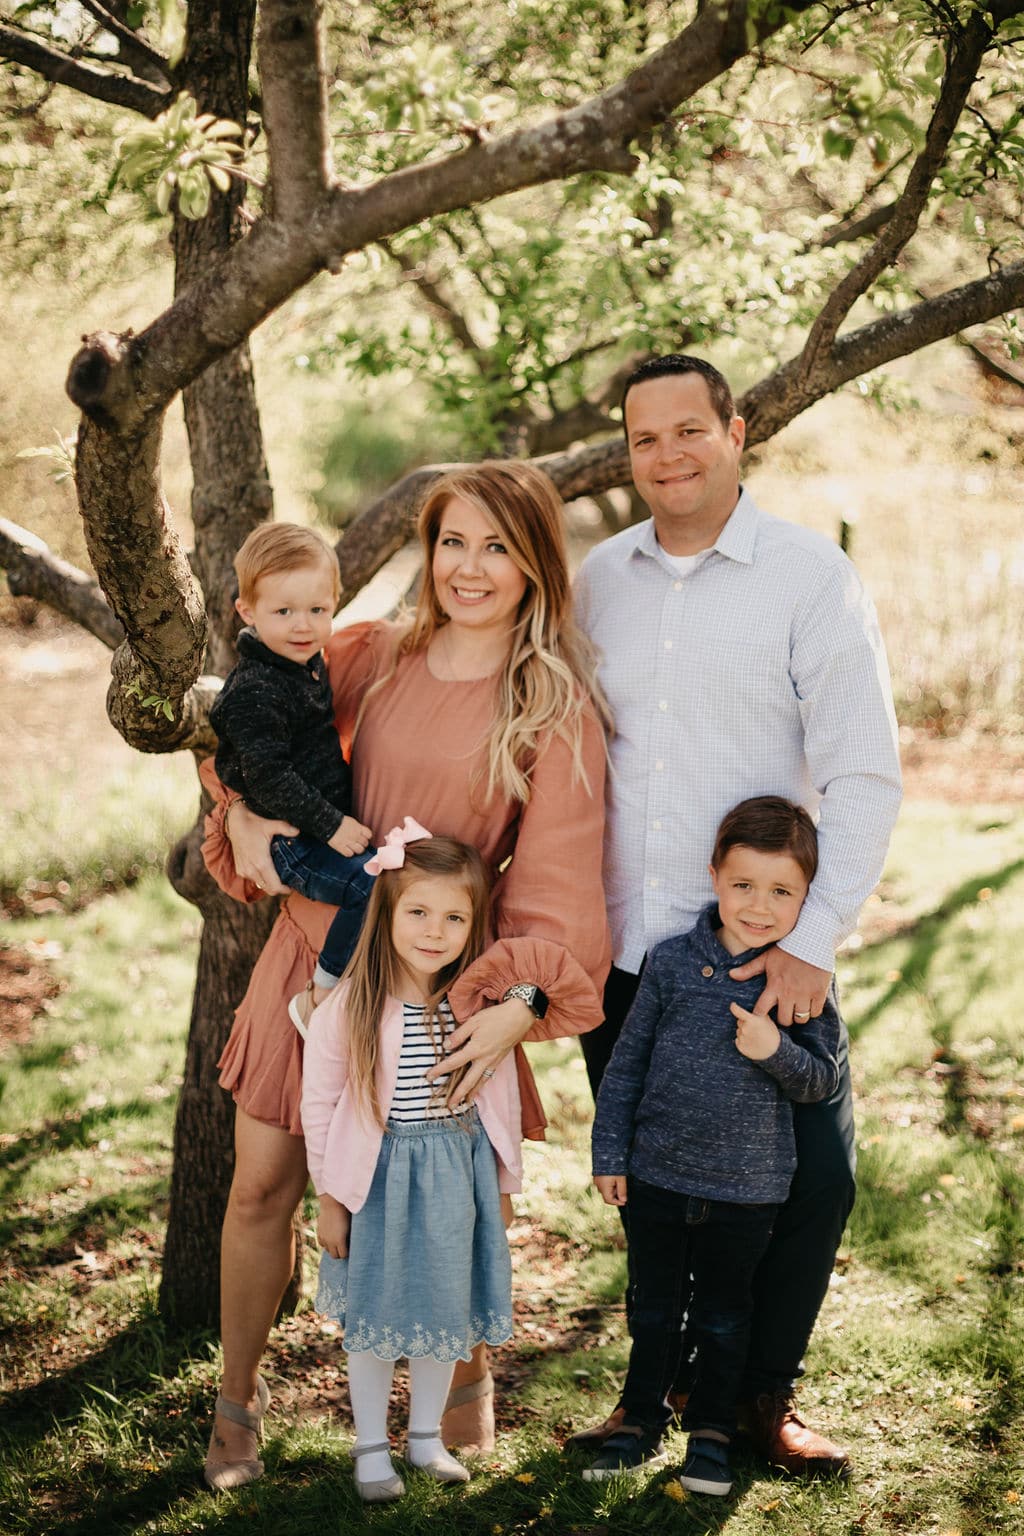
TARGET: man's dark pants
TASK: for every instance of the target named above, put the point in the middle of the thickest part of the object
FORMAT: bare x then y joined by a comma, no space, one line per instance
793,1276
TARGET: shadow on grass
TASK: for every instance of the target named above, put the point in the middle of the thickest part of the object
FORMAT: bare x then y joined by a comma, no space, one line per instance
926,935
71,1131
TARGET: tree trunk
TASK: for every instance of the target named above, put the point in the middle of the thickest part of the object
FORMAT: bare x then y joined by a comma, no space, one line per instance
230,494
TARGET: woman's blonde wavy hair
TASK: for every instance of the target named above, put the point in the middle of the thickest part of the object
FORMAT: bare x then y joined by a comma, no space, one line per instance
375,972
551,670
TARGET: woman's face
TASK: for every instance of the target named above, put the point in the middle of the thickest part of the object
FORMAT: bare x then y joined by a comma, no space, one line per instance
478,584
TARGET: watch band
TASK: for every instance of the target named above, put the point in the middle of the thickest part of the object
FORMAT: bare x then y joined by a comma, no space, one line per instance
529,993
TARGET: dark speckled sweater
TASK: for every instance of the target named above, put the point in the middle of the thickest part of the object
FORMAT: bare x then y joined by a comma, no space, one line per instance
680,1107
279,746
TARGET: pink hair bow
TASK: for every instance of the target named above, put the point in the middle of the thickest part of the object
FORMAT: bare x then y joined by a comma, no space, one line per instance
391,853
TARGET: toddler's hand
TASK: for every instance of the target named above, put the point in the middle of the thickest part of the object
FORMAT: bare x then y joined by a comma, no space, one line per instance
351,837
757,1037
332,1227
611,1187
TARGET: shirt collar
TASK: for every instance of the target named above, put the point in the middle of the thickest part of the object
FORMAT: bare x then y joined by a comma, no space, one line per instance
736,540
251,646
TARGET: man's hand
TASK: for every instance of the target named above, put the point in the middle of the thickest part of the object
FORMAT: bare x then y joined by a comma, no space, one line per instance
795,989
332,1227
757,1037
611,1187
350,838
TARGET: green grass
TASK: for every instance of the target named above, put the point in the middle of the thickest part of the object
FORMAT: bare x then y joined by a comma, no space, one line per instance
917,1363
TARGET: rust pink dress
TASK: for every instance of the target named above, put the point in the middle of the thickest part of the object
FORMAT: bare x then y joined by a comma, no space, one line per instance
421,741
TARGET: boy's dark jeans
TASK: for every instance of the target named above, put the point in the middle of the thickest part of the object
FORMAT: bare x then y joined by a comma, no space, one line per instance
794,1276
315,870
672,1237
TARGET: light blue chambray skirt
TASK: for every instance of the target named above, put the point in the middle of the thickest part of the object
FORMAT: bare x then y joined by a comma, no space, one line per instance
428,1271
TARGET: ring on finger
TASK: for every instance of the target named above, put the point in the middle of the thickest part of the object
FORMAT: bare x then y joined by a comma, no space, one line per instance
488,1072
803,1017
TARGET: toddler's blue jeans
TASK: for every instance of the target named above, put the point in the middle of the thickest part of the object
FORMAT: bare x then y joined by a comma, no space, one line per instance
315,870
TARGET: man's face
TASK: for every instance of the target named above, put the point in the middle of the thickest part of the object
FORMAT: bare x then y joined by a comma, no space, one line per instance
685,463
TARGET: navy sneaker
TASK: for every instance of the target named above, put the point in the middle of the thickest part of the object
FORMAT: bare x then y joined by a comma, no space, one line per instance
629,1449
706,1468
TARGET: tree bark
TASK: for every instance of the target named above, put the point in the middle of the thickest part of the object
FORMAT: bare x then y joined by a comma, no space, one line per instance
231,494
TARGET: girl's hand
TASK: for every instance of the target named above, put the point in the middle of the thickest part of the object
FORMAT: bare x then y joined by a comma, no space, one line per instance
757,1037
350,838
249,836
611,1187
481,1044
332,1227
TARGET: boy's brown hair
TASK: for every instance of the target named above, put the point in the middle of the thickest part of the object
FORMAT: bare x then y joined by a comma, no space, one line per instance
769,824
274,547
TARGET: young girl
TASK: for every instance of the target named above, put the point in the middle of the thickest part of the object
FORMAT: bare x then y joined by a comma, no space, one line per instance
415,1258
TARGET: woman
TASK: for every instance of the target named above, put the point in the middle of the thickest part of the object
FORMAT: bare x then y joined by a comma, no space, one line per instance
479,719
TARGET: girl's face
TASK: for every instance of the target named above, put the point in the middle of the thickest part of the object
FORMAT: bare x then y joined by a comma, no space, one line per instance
478,583
430,925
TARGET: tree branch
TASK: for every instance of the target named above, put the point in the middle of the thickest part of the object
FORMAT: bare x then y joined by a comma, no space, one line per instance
132,46
963,62
291,58
776,400
33,570
453,319
259,273
118,90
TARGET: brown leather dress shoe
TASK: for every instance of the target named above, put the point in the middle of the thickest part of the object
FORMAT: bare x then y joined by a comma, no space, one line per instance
780,1435
593,1438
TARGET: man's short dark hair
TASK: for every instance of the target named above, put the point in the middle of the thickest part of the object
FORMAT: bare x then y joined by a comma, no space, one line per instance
769,824
680,362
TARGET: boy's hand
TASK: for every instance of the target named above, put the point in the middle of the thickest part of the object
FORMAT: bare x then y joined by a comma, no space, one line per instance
351,837
757,1037
332,1227
611,1187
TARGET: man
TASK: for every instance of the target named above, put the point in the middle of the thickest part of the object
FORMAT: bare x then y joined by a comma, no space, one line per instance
740,656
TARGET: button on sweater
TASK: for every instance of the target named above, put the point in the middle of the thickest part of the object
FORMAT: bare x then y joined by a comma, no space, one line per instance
680,1107
279,745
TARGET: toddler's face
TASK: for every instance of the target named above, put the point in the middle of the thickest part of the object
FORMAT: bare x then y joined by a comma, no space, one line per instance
292,611
759,897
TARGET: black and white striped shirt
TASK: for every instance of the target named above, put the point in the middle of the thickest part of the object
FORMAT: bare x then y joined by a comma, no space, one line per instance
415,1098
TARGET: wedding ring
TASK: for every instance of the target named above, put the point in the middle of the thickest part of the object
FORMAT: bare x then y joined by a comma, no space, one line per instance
488,1072
801,1016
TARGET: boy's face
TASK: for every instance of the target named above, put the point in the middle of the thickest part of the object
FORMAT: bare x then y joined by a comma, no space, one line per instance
292,611
759,897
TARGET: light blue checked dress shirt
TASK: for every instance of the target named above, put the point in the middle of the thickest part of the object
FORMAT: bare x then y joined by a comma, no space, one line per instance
758,671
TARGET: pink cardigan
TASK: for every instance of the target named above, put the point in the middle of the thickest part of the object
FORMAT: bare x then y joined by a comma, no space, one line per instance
342,1148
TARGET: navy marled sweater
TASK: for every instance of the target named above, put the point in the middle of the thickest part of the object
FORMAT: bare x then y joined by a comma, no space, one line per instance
279,746
680,1107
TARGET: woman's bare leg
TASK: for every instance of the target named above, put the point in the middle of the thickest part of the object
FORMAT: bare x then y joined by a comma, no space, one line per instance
257,1258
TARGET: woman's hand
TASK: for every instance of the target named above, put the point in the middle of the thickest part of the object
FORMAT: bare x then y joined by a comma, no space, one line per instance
249,836
332,1227
481,1044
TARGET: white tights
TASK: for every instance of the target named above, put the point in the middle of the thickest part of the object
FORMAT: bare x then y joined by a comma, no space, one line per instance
369,1385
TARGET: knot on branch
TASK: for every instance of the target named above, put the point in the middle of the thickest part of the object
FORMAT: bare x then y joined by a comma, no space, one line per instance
99,380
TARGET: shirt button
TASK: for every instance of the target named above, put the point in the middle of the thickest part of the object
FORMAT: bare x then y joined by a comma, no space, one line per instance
707,970
663,704
659,765
677,586
657,826
668,645
654,880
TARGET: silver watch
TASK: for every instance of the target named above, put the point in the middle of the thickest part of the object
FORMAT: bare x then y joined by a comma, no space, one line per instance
529,993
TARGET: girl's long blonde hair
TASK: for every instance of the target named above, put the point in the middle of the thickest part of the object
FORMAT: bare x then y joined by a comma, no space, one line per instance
374,972
551,670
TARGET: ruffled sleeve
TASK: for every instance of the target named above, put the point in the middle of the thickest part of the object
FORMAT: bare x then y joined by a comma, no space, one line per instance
549,912
216,850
